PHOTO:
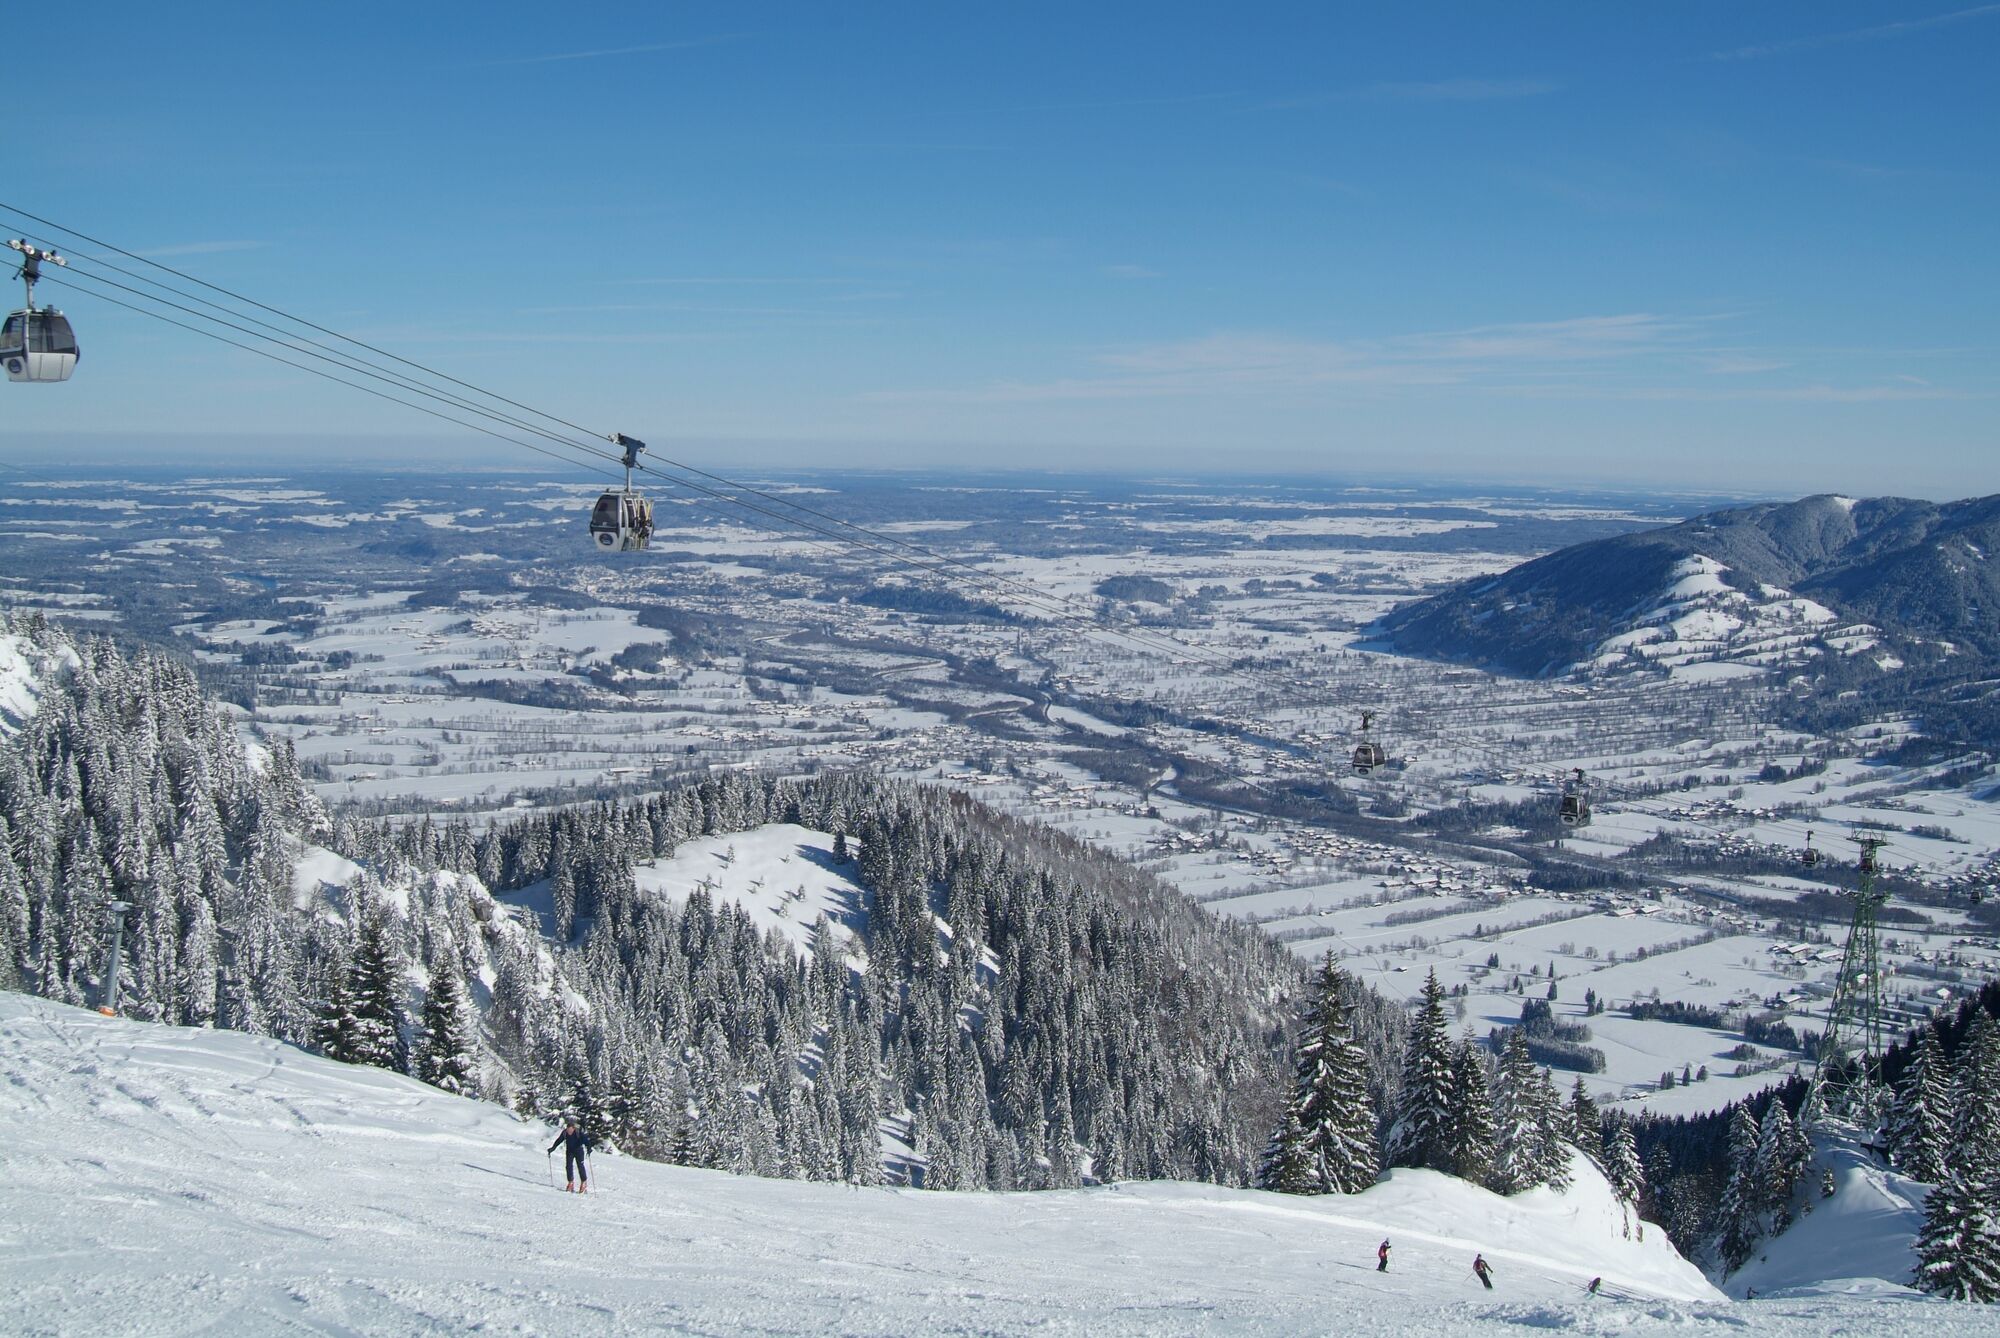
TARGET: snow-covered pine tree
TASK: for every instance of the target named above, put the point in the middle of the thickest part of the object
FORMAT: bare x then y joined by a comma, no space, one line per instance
1517,1119
374,997
1330,1116
1919,1132
448,1056
1976,1144
562,895
1784,1153
1472,1115
1587,1121
1065,1170
1420,1135
1285,1168
1736,1220
1553,1134
1958,1246
1621,1163
14,955
333,1033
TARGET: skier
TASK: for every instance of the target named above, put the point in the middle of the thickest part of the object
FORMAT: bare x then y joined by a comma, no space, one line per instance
1484,1270
575,1144
1595,1283
1382,1258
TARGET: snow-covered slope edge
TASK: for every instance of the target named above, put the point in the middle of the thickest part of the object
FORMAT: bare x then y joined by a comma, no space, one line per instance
159,1180
1862,1239
24,668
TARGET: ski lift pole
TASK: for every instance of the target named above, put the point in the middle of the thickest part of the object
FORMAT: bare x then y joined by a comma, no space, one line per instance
116,910
31,265
631,446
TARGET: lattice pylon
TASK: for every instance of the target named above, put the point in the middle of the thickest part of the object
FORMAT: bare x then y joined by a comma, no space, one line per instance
1854,1018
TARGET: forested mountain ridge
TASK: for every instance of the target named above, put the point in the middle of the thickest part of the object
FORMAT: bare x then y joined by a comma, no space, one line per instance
1918,572
1024,1011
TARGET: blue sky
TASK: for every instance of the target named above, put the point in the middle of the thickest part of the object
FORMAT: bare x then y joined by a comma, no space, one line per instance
1720,245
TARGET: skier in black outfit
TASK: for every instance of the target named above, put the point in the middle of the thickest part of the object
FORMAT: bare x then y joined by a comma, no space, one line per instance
1484,1270
575,1144
1382,1258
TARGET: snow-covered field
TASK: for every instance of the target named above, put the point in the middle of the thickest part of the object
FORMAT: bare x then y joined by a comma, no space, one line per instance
158,1180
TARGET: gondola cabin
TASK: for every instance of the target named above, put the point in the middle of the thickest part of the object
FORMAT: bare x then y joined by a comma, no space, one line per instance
38,345
622,522
1575,810
1368,754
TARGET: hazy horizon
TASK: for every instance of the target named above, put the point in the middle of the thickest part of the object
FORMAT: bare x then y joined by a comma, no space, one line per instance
29,456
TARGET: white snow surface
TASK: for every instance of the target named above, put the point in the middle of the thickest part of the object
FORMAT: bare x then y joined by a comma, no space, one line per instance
782,874
1861,1238
318,870
158,1180
1699,625
23,669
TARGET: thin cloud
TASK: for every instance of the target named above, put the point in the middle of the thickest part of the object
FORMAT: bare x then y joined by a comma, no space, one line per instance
1333,185
1115,104
1738,364
1879,32
1859,171
647,49
202,248
734,280
1614,190
1253,363
1442,90
1818,393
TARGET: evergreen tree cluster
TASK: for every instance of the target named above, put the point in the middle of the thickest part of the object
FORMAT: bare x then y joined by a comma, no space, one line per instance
1023,1010
1945,1130
1499,1125
125,785
1502,1125
1768,1165
1325,1143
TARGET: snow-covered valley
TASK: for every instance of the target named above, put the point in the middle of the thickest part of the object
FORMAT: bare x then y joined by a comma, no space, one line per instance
163,1180
728,715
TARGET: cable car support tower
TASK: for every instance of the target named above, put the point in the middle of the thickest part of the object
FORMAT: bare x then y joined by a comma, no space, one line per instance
1854,1018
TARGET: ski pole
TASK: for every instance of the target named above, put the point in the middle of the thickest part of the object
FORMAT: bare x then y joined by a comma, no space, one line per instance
548,1160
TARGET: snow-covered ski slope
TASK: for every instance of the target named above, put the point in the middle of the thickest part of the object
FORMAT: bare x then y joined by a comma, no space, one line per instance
165,1181
1866,1231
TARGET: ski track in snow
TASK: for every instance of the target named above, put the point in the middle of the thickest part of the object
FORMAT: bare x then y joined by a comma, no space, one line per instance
159,1180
